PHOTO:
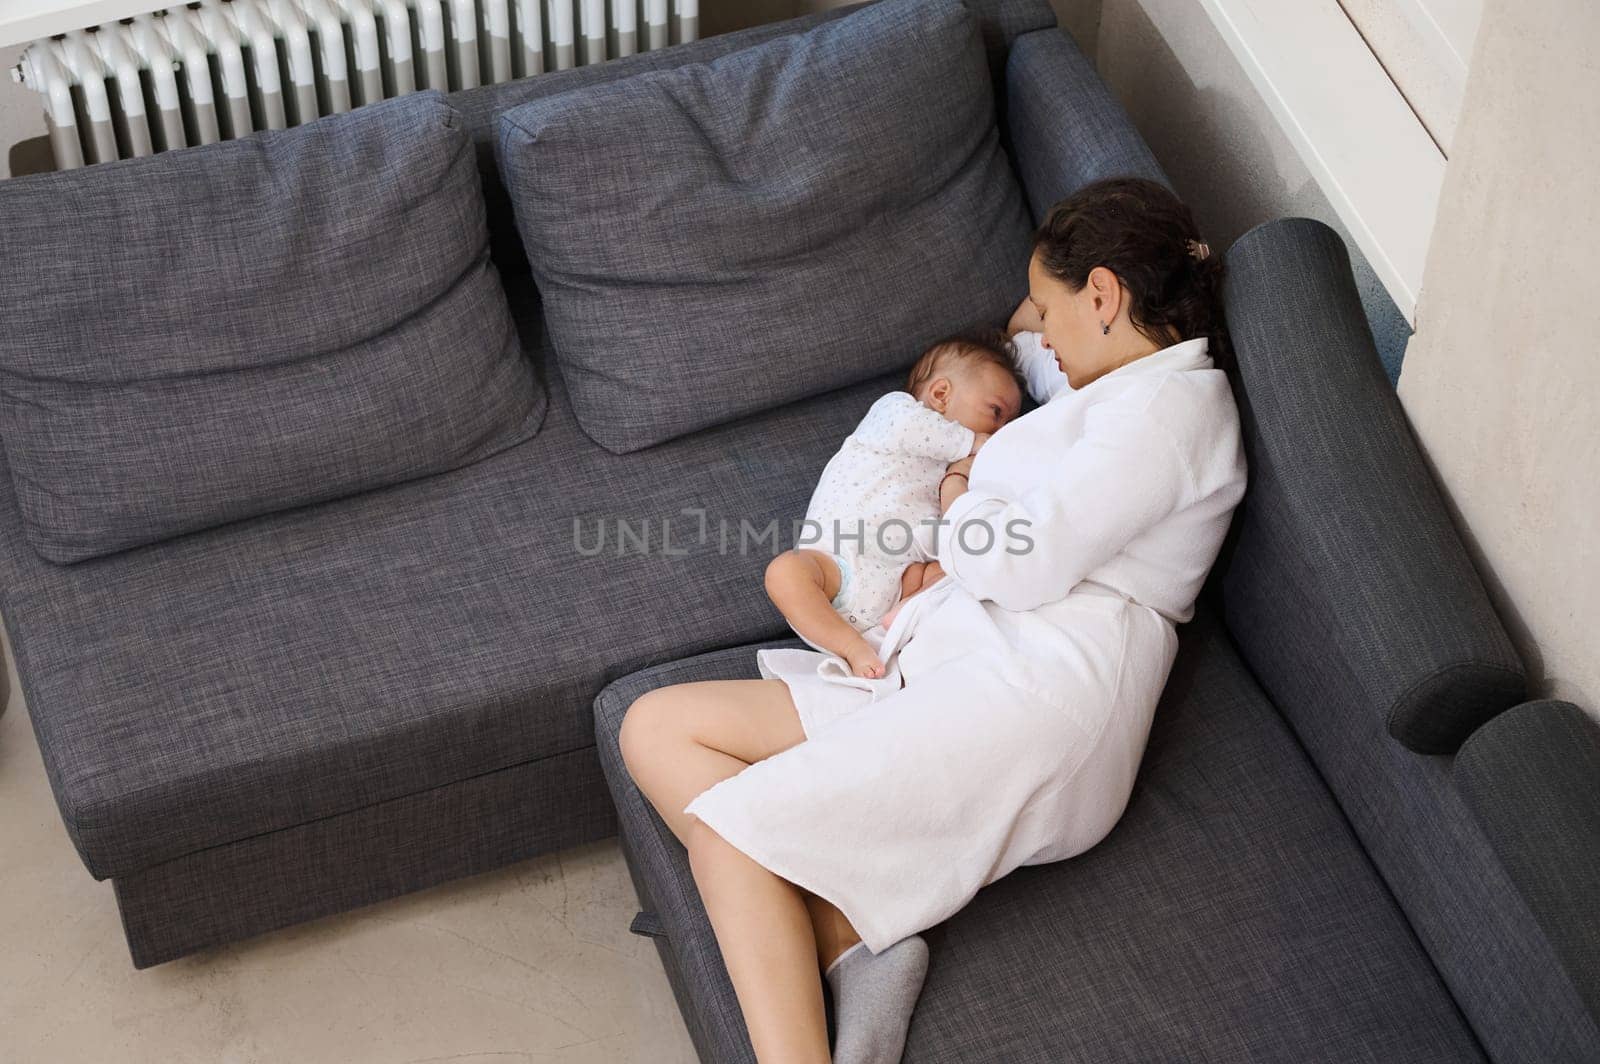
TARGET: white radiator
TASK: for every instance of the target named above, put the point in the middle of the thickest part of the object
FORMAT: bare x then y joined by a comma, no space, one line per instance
218,69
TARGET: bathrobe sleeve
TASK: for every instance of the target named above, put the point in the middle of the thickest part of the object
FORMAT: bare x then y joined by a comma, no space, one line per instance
1038,366
898,423
1123,476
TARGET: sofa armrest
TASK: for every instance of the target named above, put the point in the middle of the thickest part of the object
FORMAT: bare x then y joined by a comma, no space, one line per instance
1531,778
1066,128
1347,586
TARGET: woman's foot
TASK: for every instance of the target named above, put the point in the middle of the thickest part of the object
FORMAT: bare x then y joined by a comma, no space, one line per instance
863,660
873,995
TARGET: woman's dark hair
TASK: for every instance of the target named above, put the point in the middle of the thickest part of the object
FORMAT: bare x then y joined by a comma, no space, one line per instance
1141,232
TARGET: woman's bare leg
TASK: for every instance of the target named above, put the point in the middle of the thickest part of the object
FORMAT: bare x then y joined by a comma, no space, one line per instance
679,740
768,945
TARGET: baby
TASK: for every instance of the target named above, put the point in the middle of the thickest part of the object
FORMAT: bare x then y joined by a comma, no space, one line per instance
871,516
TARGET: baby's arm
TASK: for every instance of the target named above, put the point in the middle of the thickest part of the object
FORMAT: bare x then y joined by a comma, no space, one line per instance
898,423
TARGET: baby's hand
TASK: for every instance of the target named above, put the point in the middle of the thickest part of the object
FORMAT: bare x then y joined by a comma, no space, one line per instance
978,440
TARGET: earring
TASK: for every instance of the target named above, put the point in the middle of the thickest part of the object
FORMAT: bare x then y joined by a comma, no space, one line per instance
1105,330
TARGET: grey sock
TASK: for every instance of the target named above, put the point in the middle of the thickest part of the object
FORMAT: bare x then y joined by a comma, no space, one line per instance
873,995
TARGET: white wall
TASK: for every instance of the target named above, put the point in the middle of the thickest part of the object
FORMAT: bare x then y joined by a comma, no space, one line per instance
1502,380
1213,134
1424,46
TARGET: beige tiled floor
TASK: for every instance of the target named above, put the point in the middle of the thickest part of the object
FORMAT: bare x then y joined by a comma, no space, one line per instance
530,963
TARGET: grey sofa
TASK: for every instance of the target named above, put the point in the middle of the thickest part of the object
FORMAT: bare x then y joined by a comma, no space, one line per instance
289,715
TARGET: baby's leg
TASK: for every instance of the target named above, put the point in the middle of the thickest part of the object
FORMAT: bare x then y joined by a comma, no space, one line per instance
802,584
918,575
910,584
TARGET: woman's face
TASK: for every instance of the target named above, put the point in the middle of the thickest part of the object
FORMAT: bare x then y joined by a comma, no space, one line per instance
1073,320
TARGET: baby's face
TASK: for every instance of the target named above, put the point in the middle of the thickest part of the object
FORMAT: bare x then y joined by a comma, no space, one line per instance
982,396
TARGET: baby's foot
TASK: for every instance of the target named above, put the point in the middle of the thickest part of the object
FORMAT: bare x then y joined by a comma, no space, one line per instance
888,618
863,660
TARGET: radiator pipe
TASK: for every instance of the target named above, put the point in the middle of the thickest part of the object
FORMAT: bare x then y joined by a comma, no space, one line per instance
151,44
256,26
397,32
115,55
368,81
464,27
196,73
430,27
657,33
593,24
625,21
83,62
301,100
216,26
330,44
688,20
497,24
561,33
40,69
530,28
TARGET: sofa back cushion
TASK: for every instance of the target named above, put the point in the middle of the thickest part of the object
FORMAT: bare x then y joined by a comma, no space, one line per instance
1001,22
725,237
212,333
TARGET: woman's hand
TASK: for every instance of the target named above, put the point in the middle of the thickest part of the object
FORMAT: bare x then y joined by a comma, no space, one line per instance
954,484
1025,319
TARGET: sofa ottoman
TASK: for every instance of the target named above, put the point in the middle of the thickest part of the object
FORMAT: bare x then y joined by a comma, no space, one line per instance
1231,915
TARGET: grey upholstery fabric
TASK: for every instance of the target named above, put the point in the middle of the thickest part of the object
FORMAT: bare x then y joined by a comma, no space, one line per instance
1531,778
1230,915
264,882
858,164
1342,509
1059,149
1001,21
258,675
1350,598
217,332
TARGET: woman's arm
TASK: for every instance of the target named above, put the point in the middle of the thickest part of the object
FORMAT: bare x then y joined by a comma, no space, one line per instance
954,484
1123,476
1025,319
1038,366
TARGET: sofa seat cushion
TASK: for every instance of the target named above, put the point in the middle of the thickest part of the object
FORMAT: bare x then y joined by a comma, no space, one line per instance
1230,915
845,189
207,334
261,674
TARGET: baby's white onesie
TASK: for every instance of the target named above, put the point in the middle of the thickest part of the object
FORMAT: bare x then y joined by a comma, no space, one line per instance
874,506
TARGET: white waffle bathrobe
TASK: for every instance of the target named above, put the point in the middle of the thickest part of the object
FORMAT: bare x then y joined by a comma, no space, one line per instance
1021,688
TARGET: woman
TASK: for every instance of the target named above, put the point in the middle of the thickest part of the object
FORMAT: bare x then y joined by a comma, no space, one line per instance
827,824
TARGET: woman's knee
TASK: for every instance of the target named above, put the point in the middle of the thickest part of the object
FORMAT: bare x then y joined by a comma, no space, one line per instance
645,728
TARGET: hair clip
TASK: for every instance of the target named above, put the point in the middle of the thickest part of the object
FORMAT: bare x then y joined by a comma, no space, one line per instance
1198,250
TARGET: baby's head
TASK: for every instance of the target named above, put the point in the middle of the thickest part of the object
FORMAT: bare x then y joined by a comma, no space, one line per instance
970,377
